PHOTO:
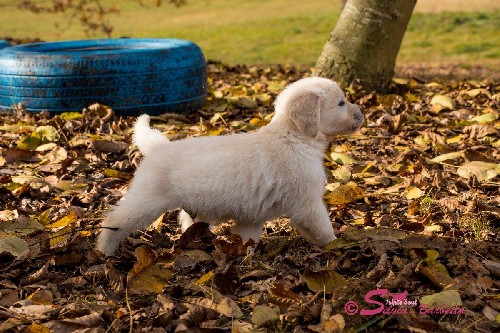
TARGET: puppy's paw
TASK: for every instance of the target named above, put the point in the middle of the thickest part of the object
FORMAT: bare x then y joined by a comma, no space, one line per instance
106,243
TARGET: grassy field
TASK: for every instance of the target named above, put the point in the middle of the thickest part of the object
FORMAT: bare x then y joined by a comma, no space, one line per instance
281,31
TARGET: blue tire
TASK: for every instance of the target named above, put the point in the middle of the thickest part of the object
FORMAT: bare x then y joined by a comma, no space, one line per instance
133,76
4,44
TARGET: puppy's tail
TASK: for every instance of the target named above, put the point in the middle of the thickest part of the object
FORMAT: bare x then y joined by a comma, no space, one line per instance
145,137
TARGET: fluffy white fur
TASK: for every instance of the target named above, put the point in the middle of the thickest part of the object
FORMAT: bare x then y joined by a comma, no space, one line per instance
249,178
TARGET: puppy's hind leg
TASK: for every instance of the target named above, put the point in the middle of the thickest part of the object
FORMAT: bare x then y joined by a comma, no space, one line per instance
136,210
247,231
251,231
314,224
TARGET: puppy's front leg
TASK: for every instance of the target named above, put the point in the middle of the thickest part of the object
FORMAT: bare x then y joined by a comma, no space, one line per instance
314,224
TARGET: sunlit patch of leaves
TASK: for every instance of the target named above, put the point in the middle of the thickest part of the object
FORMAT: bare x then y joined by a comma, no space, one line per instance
413,198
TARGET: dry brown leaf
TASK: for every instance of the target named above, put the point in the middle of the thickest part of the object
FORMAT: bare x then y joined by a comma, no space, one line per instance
262,315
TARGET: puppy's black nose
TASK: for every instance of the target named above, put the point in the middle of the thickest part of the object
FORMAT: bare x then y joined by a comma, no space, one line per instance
362,110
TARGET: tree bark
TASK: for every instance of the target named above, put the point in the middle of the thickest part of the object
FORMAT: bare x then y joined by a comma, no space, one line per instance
365,42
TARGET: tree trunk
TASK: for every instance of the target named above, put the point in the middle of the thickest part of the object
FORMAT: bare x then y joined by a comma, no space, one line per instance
365,42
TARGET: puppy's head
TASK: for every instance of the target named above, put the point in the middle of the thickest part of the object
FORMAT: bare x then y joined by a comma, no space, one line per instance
317,108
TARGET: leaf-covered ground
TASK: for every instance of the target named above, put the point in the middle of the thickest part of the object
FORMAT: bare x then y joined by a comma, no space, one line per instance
414,198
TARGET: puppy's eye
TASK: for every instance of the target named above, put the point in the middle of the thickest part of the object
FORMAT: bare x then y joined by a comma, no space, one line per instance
341,103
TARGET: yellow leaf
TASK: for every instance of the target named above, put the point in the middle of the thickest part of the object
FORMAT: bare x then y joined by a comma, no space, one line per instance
482,170
148,276
345,194
151,279
44,217
443,101
204,278
444,299
422,140
324,280
343,174
215,132
157,224
386,100
455,139
71,115
71,217
434,228
343,159
432,255
30,142
449,156
145,257
476,92
60,236
486,118
414,193
218,94
117,174
411,98
259,122
37,328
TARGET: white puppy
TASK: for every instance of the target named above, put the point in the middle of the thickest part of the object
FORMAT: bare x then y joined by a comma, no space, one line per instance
249,178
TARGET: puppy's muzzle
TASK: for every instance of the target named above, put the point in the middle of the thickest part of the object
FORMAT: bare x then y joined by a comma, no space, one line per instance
359,116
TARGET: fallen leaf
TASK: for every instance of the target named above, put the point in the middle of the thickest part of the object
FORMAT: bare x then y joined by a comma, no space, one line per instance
70,218
333,324
343,173
434,228
246,103
377,180
414,193
229,308
148,274
263,314
443,299
107,146
486,118
22,226
204,278
443,101
41,296
38,328
71,115
15,246
41,135
117,174
341,158
435,271
449,156
483,171
345,194
324,280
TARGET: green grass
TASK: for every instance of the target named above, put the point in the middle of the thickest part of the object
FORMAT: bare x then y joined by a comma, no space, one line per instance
273,31
453,37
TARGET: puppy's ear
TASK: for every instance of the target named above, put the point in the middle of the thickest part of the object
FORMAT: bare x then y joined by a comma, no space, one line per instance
304,109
